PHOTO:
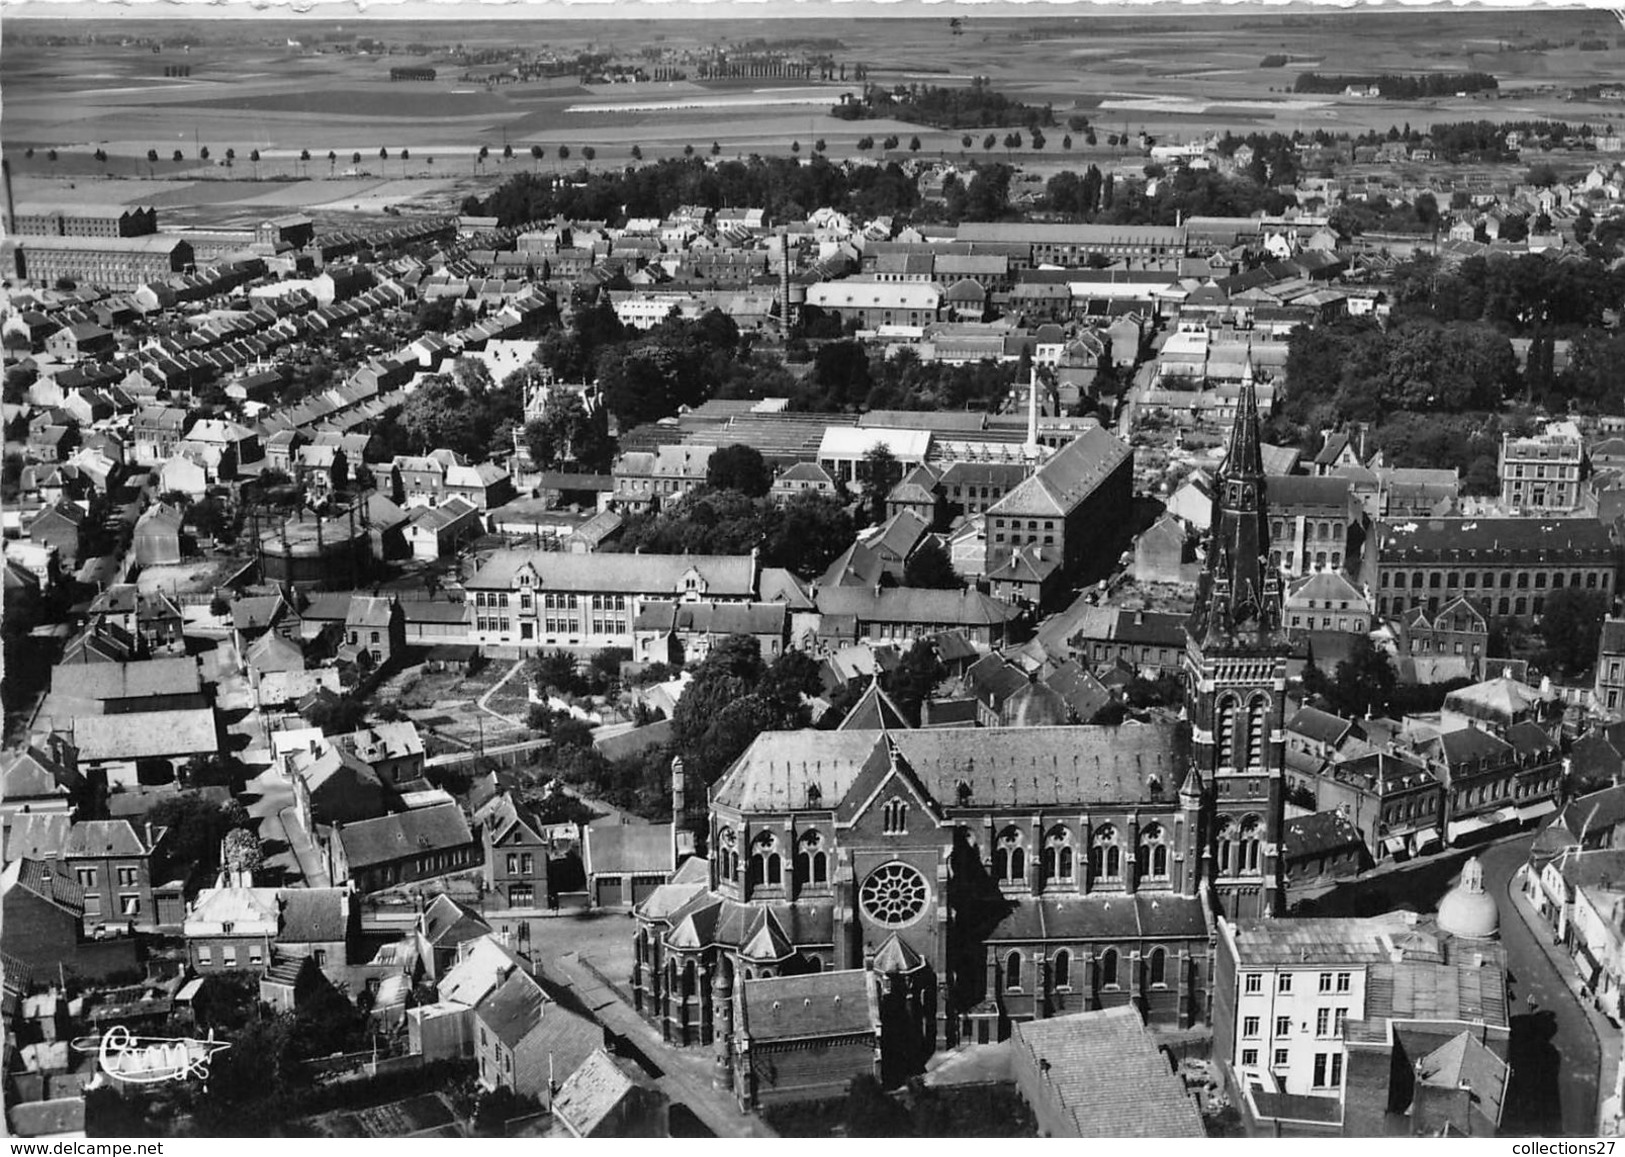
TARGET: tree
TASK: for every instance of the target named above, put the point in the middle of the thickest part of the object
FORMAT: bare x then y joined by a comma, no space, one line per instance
637,152
240,852
739,467
588,153
807,533
435,417
965,143
535,156
914,144
819,145
481,156
355,157
1364,682
507,152
567,433
254,159
881,471
930,566
177,156
795,147
332,161
304,160
406,155
383,154
152,156
870,1112
554,671
1570,625
688,150
231,155
564,152
197,826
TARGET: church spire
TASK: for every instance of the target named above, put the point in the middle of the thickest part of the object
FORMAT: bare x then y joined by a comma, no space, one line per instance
1239,598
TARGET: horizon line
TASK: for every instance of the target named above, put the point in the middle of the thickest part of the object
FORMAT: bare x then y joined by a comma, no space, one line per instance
483,11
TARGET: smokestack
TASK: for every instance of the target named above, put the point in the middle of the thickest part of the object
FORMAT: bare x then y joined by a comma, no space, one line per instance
11,204
784,277
1032,415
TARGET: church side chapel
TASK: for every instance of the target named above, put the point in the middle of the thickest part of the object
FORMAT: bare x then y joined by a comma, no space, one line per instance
877,893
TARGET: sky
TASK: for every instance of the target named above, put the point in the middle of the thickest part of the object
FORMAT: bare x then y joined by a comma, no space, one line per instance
688,9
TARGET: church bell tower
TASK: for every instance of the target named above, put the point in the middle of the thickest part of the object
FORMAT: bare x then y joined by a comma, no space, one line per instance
1235,682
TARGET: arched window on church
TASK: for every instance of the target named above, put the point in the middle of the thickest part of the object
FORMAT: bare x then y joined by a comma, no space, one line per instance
1062,971
1151,857
1224,728
1225,847
766,864
1252,831
1158,969
727,855
1012,971
1009,857
1257,714
1105,854
812,862
1108,968
689,980
894,818
1058,857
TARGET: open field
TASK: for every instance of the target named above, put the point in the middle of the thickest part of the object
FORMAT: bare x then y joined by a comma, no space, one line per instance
250,89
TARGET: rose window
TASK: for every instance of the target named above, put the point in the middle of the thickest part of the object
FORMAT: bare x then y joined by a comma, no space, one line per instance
894,895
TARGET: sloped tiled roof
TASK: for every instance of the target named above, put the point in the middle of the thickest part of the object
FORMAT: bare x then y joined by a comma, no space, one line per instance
821,1004
1107,1073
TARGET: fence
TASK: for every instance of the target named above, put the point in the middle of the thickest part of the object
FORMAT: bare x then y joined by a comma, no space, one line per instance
507,755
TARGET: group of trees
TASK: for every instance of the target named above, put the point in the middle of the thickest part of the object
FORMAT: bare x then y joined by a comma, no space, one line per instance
464,411
1400,86
1354,370
847,375
785,186
974,106
1521,295
803,535
735,696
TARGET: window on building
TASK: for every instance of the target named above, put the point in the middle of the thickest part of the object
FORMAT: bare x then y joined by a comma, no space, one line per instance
205,956
1009,857
1283,983
1283,1026
1253,982
1280,1058
1340,1017
127,877
1249,1057
1158,969
1108,968
1323,1020
1057,855
1325,982
1249,1026
894,818
228,956
1061,971
766,864
1012,971
1105,854
87,877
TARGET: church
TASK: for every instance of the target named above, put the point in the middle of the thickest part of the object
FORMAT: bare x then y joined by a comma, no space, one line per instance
950,882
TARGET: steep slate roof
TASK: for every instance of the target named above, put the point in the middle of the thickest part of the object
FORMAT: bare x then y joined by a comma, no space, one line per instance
1109,1074
482,964
591,1093
1067,478
621,849
445,921
875,711
143,734
105,681
1466,1062
820,1004
108,838
387,838
915,605
313,915
1317,834
513,1009
46,881
36,835
732,576
1026,766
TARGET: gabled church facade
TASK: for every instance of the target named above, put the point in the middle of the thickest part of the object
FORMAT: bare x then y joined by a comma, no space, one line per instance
987,876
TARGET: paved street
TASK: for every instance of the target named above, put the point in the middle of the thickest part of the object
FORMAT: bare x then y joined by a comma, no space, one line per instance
685,1073
1554,1048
